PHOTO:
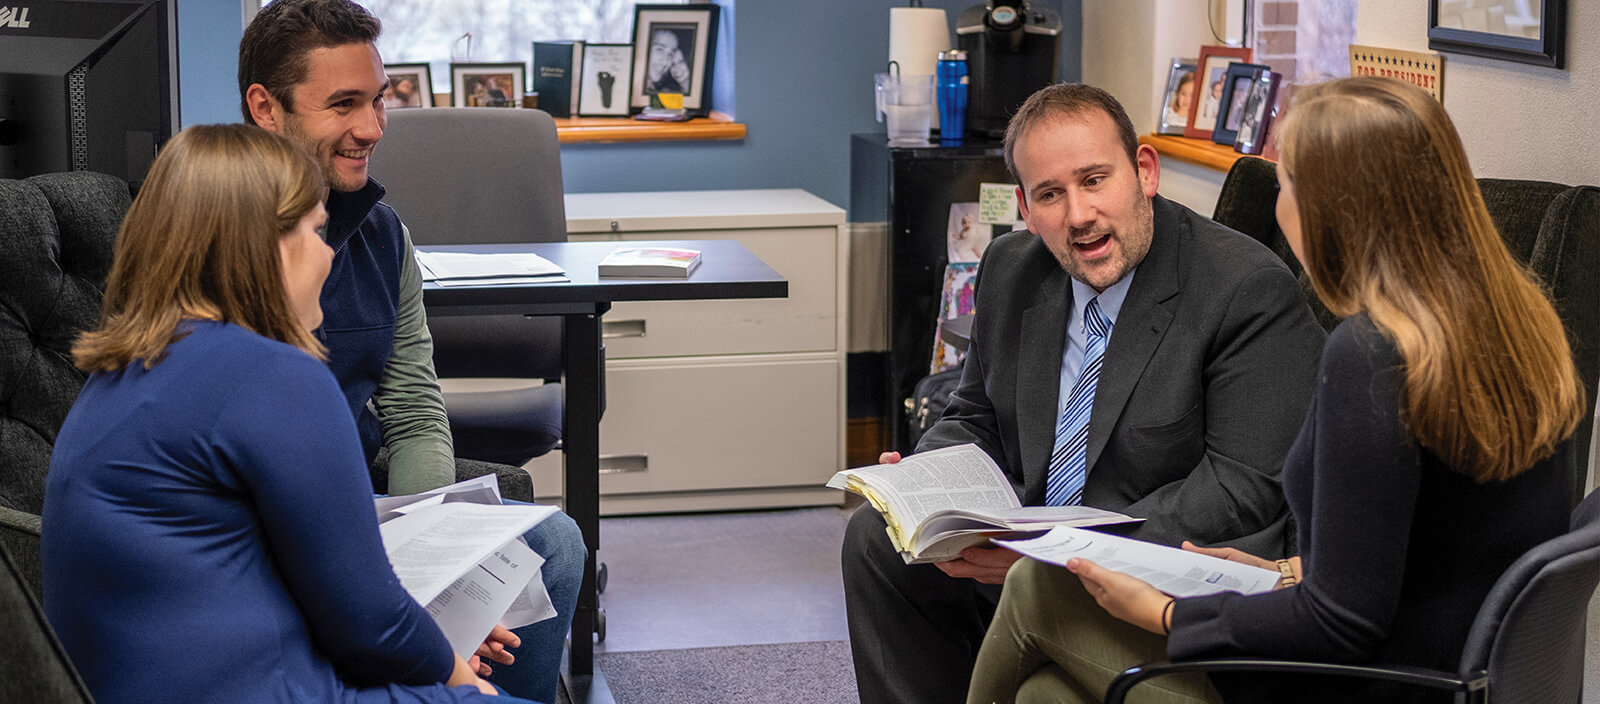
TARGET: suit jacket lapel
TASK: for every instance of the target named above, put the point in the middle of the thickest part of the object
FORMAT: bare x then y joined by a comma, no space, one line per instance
1044,334
1140,325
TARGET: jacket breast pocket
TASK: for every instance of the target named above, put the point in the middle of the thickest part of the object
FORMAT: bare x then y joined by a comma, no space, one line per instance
1180,441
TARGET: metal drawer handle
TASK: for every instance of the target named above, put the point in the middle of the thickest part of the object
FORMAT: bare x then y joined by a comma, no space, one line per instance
610,329
624,464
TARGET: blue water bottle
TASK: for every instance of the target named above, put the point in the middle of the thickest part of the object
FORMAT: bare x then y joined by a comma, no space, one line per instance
952,80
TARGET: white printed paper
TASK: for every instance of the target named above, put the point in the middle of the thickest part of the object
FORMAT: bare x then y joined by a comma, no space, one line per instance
1173,571
997,203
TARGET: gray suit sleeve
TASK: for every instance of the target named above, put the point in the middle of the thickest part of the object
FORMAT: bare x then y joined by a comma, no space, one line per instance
1258,384
408,401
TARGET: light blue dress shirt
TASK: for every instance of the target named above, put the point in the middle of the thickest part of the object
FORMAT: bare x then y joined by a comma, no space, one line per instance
1077,337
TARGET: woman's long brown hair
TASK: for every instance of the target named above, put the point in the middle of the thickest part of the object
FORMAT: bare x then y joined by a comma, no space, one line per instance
1393,224
201,242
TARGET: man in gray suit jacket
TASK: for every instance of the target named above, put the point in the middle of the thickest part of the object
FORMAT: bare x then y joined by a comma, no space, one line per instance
1205,353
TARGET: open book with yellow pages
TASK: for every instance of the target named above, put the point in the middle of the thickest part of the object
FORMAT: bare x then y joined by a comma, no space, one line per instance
940,502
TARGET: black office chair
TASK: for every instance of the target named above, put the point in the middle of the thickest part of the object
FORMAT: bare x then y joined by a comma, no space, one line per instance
485,176
1551,228
33,665
1526,644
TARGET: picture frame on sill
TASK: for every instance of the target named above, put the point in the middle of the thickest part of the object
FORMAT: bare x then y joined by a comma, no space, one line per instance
410,86
1214,62
1524,31
673,51
607,73
1258,112
494,85
1178,101
1235,91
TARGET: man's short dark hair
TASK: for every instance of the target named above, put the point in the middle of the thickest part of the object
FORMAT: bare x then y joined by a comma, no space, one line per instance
1067,100
273,50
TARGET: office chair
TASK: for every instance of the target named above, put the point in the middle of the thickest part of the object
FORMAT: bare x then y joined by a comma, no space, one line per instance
56,238
33,665
1526,644
1551,228
484,176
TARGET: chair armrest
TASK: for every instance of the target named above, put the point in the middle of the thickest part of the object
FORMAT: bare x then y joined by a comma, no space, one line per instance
19,534
1418,676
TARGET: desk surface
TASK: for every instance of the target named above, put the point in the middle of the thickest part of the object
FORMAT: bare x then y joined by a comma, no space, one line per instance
727,270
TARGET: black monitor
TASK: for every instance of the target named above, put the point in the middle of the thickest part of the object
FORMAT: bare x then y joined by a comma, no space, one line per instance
86,85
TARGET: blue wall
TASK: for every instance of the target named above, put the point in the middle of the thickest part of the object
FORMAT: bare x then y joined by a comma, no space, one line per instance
208,61
802,84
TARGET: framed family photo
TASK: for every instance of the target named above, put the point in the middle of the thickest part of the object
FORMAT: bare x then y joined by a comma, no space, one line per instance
1179,98
1258,112
1235,91
1210,82
607,73
410,86
1525,31
673,49
487,85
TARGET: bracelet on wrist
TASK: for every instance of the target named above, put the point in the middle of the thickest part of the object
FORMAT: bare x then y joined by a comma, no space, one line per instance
1166,617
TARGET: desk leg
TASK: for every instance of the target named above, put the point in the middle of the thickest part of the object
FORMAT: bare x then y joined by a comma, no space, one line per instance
582,354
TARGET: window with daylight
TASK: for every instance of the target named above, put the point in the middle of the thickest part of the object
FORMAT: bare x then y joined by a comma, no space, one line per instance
485,31
1305,40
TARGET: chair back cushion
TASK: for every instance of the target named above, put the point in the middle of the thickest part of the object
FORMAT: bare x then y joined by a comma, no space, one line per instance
473,175
1529,633
1248,203
56,237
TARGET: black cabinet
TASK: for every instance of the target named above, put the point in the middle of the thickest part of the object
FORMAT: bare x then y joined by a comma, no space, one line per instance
912,188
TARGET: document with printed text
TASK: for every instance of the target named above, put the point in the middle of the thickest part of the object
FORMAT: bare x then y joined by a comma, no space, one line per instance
1174,571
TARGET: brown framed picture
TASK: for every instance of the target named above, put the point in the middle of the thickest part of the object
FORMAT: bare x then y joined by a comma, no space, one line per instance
487,85
410,86
1213,80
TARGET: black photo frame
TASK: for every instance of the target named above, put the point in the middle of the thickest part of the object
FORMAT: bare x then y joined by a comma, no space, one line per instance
1546,46
1259,114
692,25
1235,89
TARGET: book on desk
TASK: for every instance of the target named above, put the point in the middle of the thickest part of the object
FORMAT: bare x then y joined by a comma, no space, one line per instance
649,263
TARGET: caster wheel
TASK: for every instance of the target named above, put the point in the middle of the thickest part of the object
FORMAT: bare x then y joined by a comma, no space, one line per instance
600,579
600,625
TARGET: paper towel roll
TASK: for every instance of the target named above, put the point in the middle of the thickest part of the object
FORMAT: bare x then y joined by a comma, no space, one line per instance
916,36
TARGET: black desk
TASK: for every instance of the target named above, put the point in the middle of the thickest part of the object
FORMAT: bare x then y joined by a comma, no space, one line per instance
727,270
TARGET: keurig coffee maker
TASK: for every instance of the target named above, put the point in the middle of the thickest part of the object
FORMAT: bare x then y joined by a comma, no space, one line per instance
1012,50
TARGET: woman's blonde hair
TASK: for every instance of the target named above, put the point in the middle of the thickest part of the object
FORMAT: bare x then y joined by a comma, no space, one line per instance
201,242
1393,224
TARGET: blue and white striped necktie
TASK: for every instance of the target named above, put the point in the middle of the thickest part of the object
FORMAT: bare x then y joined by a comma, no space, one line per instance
1070,458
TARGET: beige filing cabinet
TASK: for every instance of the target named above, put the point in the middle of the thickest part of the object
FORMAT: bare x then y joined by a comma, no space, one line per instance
715,405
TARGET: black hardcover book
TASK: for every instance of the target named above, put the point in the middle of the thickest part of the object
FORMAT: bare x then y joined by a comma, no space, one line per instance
556,69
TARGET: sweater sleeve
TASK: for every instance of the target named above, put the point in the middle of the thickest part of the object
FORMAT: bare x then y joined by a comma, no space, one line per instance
1364,476
408,401
290,439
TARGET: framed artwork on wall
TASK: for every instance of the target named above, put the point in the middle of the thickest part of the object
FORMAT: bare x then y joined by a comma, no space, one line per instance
607,73
1178,101
410,86
1525,31
1210,83
487,85
673,49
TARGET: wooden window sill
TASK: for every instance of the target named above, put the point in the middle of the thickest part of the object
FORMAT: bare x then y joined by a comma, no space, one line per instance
1202,152
719,126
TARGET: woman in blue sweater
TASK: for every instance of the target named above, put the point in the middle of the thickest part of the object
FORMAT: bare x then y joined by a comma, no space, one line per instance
209,533
1436,452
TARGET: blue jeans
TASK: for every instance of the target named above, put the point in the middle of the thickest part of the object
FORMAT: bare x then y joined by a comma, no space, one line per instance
537,668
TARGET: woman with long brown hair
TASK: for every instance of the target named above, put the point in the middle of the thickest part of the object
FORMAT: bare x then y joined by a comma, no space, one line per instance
209,532
1437,449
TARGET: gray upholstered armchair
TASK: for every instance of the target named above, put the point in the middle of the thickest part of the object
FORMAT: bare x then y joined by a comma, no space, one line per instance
1551,228
56,236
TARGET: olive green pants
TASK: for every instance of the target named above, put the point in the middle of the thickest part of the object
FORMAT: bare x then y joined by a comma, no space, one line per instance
1050,642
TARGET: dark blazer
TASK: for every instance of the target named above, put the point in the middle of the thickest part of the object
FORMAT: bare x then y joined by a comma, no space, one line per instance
1206,380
